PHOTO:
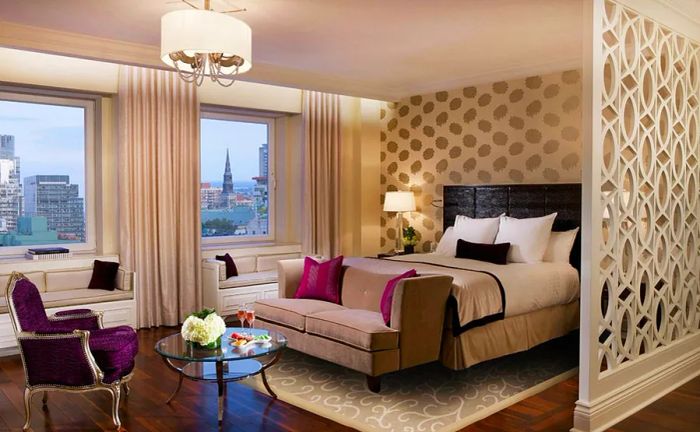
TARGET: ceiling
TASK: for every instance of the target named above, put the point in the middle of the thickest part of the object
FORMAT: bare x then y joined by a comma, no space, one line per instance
385,49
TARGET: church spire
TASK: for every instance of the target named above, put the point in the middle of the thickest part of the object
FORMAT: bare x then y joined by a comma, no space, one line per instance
228,178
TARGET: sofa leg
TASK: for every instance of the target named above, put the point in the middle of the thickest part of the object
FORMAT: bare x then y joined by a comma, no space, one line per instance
374,383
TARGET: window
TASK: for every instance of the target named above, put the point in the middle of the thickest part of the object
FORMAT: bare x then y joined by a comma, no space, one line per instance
45,142
236,174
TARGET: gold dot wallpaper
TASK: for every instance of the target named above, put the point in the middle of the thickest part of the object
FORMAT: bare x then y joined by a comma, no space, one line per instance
519,131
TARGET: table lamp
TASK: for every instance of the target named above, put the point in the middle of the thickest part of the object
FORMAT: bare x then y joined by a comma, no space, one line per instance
399,202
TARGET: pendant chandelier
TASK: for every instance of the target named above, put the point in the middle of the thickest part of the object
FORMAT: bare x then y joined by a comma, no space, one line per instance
203,42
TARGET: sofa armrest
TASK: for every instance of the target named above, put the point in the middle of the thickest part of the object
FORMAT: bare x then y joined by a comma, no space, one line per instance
219,267
125,280
418,313
289,276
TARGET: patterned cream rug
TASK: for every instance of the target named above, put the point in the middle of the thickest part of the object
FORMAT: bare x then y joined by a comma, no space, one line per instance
428,398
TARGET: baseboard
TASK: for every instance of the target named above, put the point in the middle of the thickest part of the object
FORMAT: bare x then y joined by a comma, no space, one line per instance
617,405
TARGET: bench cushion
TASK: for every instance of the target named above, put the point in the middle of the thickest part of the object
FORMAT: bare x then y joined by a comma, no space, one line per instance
75,297
291,312
356,327
248,279
269,262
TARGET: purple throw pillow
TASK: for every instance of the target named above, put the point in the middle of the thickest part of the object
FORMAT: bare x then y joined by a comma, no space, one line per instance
321,280
231,269
388,295
104,275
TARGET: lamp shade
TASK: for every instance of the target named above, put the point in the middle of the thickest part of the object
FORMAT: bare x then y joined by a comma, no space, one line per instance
399,202
205,32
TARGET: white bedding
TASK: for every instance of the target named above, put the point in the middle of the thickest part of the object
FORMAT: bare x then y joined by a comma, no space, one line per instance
527,287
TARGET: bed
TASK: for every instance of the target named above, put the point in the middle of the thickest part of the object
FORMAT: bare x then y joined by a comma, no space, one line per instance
496,310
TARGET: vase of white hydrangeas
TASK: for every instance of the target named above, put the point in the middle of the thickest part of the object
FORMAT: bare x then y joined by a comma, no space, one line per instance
204,329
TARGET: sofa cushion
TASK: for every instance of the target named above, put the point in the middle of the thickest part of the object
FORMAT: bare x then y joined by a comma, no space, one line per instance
37,279
76,297
245,264
248,279
63,280
291,312
360,328
269,262
361,289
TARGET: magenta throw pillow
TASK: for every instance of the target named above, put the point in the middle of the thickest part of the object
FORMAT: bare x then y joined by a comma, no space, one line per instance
321,280
388,295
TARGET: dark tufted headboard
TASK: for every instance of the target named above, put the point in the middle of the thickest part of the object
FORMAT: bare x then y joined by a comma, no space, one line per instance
518,201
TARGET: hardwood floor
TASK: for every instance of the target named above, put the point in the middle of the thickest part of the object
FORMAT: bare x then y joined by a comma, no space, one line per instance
194,409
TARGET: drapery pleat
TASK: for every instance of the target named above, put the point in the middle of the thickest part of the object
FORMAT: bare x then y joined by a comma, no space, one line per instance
159,207
322,140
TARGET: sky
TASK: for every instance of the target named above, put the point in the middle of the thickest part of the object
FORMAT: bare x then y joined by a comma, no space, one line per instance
242,139
49,139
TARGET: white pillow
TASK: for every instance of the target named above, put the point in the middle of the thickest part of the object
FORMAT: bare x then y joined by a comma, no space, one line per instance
528,237
560,245
448,243
481,230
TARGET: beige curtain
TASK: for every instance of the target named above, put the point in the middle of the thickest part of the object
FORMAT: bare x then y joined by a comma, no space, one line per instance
321,227
159,193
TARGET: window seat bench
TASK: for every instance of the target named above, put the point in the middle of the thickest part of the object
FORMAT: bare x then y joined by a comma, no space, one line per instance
66,289
256,280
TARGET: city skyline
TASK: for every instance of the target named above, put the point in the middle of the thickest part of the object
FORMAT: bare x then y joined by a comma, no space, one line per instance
40,129
241,139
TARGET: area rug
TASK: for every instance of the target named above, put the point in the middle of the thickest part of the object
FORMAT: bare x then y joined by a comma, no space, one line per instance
427,398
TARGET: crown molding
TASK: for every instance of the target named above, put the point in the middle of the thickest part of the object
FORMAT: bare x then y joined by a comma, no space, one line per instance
30,38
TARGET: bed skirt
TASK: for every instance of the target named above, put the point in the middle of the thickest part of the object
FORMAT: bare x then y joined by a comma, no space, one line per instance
508,336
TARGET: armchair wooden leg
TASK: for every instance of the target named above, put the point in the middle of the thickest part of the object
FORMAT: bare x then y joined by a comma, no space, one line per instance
116,394
27,408
127,389
374,383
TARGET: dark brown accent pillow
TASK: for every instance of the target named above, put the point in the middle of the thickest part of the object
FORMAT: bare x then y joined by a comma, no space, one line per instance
493,253
104,275
231,269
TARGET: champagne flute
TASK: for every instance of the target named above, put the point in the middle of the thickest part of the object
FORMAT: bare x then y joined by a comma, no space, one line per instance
241,314
250,317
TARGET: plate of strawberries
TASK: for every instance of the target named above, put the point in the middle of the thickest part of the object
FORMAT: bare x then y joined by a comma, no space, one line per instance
243,339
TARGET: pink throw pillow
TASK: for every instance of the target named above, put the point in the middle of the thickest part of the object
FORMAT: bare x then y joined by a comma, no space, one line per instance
321,280
388,295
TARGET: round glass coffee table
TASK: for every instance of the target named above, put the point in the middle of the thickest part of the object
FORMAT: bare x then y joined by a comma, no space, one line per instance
222,365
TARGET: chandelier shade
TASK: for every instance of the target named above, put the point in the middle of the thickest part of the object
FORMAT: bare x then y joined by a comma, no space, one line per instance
202,43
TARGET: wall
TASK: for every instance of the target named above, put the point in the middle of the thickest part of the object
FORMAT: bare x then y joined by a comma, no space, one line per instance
518,131
640,288
360,209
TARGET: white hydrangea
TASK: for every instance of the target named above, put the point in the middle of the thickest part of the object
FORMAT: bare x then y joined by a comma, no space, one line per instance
203,331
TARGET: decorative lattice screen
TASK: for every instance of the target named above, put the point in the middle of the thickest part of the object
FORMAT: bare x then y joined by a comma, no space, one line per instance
650,186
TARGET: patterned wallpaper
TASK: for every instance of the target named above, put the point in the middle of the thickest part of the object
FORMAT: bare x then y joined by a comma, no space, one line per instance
519,131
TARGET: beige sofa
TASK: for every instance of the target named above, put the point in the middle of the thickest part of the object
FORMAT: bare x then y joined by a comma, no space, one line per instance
63,289
257,279
353,334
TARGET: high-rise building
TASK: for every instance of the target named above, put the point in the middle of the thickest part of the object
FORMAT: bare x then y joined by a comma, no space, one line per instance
54,197
262,160
210,196
10,185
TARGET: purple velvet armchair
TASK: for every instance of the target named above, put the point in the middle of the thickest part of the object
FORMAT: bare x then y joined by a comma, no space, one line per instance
69,350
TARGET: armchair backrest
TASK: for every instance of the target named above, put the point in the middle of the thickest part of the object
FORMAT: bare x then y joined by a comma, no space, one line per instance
25,305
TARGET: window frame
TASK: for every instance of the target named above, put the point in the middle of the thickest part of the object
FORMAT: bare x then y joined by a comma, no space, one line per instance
219,113
92,117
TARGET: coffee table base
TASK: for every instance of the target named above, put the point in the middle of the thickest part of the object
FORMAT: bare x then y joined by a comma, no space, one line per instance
222,372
